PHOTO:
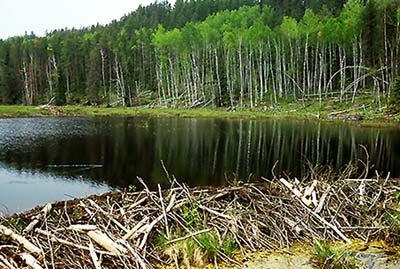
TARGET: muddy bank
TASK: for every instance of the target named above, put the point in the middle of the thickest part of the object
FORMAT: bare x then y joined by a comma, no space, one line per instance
199,226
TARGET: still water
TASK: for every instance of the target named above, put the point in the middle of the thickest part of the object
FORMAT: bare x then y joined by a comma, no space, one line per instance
49,159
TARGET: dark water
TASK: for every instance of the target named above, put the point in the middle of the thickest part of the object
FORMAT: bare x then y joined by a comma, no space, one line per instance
47,159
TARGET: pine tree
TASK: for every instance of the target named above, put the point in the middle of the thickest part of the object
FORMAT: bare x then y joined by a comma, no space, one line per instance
395,94
370,33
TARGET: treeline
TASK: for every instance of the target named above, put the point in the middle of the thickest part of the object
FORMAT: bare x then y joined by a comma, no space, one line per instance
217,52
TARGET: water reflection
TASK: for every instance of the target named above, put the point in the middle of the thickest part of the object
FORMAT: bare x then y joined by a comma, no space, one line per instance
197,151
22,190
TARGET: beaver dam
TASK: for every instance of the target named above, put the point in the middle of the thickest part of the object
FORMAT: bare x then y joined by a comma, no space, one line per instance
182,226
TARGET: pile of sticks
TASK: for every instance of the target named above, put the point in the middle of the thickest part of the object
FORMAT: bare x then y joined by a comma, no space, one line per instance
120,230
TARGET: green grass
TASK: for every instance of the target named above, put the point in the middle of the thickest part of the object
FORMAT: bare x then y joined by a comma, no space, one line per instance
17,223
397,196
22,111
198,250
192,216
195,250
327,257
290,110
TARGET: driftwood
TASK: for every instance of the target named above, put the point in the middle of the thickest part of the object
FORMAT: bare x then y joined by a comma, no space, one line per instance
36,219
106,242
93,255
31,261
302,196
348,110
121,230
53,109
20,240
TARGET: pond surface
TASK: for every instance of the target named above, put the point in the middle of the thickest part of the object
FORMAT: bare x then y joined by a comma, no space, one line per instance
48,159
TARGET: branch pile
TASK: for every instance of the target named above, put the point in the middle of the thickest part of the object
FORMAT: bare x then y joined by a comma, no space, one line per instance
148,228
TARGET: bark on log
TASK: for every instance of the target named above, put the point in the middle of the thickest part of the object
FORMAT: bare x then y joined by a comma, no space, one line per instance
20,240
106,242
31,261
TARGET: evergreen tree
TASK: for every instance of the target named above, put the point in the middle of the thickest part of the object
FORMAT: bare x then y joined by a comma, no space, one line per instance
221,52
370,34
395,94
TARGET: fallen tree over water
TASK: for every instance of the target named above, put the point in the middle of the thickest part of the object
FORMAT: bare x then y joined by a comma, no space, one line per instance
195,226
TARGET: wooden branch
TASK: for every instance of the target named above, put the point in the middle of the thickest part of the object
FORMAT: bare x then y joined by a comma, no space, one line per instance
53,238
20,240
348,110
106,242
31,261
31,225
148,230
82,227
360,180
216,213
171,202
164,211
130,234
6,263
322,200
35,220
138,203
308,191
93,255
293,224
93,203
188,236
296,192
333,227
2,265
139,259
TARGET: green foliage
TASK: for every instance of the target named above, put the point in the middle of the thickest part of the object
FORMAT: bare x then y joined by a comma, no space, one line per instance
210,244
310,24
18,223
192,216
289,27
160,240
203,247
397,196
370,33
351,21
392,219
229,246
186,48
395,94
327,257
132,188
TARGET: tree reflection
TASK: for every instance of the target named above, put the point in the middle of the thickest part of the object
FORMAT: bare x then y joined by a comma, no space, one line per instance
203,151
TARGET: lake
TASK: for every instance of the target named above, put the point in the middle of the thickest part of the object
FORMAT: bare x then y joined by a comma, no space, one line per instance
49,159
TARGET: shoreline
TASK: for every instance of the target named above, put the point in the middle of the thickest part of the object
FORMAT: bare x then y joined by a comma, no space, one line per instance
292,112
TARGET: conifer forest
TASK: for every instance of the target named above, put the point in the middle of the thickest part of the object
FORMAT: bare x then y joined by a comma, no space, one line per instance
221,53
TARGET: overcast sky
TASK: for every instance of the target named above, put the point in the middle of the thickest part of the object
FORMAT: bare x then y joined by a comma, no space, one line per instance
20,16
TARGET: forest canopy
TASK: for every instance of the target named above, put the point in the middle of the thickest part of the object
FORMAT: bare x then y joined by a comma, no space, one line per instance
218,52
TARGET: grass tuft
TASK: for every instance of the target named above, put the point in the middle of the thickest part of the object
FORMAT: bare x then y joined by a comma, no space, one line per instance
327,257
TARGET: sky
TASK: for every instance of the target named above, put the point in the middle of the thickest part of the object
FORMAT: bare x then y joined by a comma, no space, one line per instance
20,16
